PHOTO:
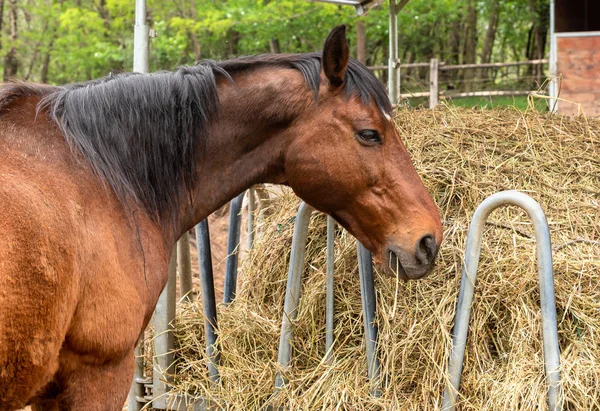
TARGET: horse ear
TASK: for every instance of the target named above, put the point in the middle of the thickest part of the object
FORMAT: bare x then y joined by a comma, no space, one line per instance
335,56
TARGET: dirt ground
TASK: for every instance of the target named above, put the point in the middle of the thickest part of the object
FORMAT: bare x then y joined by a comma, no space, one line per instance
218,226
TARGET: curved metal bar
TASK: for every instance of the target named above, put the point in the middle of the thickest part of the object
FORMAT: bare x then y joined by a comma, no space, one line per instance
367,295
233,246
292,293
209,305
329,299
467,287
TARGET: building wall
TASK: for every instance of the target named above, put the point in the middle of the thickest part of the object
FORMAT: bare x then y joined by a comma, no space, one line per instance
578,63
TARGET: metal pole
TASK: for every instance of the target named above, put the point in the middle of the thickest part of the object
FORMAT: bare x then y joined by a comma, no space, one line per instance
553,60
140,64
367,295
292,292
137,391
208,298
164,343
393,64
141,38
233,245
185,266
329,302
251,209
467,287
434,92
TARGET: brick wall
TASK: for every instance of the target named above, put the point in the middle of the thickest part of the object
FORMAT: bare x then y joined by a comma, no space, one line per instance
578,62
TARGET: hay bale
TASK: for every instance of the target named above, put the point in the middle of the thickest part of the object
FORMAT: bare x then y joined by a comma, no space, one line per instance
463,156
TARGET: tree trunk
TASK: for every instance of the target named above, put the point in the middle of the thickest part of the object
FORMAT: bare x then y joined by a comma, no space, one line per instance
11,61
361,41
470,51
234,40
101,7
1,21
536,46
193,35
36,50
274,45
46,63
454,40
452,57
490,37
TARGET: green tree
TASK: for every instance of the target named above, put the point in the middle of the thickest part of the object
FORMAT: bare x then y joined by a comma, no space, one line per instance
61,41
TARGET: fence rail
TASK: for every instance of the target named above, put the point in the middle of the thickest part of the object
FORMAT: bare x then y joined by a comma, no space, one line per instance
489,93
436,67
444,67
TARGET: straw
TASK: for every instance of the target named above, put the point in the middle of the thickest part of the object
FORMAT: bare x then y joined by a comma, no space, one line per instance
463,156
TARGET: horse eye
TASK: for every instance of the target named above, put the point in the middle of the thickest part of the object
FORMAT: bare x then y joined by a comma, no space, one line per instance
369,136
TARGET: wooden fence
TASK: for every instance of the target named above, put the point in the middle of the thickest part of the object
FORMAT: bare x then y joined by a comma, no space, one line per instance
435,68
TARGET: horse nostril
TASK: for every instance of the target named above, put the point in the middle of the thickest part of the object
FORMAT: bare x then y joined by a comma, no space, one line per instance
426,250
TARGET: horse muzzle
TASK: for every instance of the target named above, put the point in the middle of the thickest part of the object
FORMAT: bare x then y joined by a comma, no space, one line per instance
415,264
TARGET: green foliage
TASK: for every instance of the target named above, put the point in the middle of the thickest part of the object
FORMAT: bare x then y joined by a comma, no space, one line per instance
84,39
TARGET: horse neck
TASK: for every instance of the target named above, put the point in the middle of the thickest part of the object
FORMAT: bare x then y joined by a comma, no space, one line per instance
247,142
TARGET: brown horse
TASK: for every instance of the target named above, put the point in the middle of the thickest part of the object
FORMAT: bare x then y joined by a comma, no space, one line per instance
99,179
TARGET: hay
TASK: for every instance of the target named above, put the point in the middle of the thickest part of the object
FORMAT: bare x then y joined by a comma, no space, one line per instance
463,156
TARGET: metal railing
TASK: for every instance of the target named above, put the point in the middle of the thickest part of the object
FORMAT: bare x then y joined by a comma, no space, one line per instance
467,289
155,389
292,298
159,384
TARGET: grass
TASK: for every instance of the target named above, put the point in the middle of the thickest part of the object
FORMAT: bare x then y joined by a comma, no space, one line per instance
519,102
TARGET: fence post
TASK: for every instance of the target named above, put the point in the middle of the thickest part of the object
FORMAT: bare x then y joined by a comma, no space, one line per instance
185,266
434,92
141,43
467,288
393,64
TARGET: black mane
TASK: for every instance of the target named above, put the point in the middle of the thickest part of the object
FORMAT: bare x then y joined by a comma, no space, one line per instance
141,132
